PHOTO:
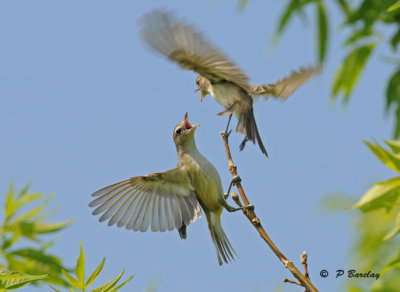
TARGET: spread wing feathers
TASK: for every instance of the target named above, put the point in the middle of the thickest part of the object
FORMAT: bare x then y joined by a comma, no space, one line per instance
164,200
285,87
181,43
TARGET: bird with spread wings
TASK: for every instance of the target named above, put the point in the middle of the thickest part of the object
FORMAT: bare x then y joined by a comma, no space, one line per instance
218,76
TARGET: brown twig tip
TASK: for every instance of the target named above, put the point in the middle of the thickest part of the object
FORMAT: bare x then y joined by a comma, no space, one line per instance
235,198
286,280
303,257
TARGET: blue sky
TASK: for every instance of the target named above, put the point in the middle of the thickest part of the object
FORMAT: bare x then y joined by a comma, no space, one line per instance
84,103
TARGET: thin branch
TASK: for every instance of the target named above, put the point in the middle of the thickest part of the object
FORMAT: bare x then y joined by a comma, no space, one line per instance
286,280
251,215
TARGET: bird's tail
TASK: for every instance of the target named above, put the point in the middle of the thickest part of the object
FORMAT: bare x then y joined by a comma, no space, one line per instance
222,245
247,125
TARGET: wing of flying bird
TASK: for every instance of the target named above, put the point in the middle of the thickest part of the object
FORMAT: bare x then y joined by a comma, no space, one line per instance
181,43
285,87
163,200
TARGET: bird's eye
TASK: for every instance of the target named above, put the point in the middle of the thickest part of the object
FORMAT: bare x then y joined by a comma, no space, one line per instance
179,131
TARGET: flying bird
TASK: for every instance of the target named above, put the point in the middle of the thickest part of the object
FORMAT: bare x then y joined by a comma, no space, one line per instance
218,76
171,199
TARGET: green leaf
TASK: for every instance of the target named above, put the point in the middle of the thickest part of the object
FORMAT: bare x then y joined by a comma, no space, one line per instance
108,286
393,98
24,191
9,206
122,285
12,280
381,195
390,159
42,227
22,201
394,145
294,6
395,40
95,273
152,286
367,13
344,6
354,289
396,133
55,289
394,7
32,229
39,256
28,265
12,205
287,14
359,35
32,212
395,229
350,71
242,4
322,31
70,279
395,263
393,90
80,268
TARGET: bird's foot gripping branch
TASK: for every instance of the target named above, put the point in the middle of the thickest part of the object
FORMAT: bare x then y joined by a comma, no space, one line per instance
248,210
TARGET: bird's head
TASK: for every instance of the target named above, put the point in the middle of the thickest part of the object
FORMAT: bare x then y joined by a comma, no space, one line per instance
202,84
184,133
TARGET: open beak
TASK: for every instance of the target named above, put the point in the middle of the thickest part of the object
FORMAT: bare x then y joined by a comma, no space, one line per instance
189,126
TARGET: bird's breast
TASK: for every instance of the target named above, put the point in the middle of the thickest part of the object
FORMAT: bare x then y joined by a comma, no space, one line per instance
207,183
226,93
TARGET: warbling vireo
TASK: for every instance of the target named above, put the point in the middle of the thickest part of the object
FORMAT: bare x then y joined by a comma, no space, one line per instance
220,77
170,199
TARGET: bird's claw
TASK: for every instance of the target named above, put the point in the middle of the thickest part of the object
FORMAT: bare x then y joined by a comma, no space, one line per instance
236,179
227,134
241,146
248,207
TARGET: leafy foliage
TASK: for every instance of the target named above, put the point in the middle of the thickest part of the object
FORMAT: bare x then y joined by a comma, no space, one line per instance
377,247
364,19
394,7
79,281
14,280
25,224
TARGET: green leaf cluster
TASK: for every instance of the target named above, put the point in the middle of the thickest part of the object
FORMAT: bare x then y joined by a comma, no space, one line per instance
364,19
80,283
295,7
377,247
14,280
24,224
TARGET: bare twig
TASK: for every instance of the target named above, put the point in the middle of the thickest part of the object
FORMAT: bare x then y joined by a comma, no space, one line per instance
251,215
304,263
286,280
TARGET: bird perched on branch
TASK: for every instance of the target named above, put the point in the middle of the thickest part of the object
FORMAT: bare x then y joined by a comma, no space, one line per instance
218,76
171,199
